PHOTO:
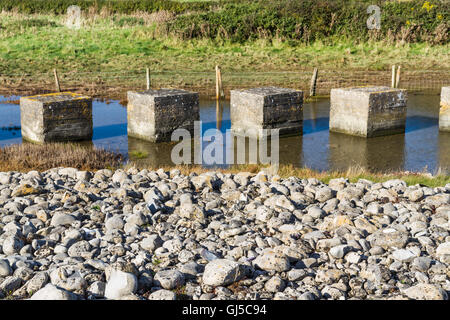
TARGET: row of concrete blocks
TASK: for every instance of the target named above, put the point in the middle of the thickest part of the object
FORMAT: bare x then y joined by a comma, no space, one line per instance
154,114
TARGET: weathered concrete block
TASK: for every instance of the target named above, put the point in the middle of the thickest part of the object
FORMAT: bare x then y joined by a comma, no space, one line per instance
266,108
154,114
62,116
368,111
444,112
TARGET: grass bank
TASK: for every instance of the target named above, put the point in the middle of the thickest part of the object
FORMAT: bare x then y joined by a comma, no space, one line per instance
110,52
26,157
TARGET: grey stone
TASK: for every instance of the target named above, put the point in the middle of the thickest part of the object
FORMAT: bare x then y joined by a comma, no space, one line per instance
163,294
120,284
169,279
51,292
10,284
340,251
272,260
403,255
5,269
62,219
12,245
221,272
275,284
423,291
151,243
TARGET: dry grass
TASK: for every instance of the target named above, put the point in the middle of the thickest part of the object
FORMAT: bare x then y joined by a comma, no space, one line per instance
285,171
25,157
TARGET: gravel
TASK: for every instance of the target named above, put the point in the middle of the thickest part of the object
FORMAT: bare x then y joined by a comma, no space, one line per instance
136,235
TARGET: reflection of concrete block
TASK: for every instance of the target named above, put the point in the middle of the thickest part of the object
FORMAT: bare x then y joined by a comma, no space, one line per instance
444,112
266,108
384,153
154,114
62,116
368,111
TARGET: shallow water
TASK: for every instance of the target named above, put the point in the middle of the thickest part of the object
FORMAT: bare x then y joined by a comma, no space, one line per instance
421,148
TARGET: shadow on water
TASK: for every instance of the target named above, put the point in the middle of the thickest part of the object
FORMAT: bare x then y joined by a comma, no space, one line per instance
414,123
110,131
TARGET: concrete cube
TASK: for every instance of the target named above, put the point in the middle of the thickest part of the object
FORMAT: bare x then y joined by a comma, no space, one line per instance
444,112
266,108
154,114
62,116
368,111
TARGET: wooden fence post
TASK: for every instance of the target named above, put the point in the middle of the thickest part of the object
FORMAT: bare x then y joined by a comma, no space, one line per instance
397,81
312,90
58,87
393,77
219,86
148,78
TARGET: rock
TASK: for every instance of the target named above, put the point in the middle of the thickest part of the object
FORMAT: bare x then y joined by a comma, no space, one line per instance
5,269
221,272
62,219
25,190
275,284
169,279
120,284
272,260
264,214
353,258
97,288
316,212
329,276
79,249
414,195
10,284
119,176
37,282
388,238
51,292
151,243
421,263
162,295
12,245
324,194
340,251
403,255
280,201
443,249
115,222
423,291
363,224
192,211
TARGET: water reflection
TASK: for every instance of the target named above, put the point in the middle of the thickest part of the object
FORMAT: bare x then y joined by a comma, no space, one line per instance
421,147
444,152
375,154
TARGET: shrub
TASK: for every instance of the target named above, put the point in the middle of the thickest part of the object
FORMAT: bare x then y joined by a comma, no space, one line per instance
309,20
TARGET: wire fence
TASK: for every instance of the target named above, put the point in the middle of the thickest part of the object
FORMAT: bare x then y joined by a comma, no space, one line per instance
107,83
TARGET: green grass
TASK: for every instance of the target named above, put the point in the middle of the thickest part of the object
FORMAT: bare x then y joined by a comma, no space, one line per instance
36,44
